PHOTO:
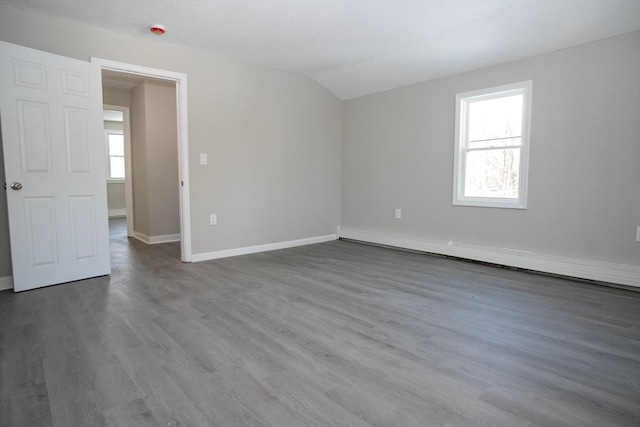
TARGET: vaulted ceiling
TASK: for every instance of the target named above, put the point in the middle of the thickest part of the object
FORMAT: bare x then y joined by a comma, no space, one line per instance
355,48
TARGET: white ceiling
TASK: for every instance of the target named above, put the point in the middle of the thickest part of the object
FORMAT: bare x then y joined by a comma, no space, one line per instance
355,48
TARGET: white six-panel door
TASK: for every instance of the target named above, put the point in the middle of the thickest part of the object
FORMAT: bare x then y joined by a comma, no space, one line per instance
54,155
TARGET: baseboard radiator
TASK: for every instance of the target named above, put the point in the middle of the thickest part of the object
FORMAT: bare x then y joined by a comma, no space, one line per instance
601,271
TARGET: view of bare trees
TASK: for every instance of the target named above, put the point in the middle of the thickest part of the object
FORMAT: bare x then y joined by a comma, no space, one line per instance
492,161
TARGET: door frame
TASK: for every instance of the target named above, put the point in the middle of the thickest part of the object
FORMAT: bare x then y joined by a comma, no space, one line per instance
128,175
180,80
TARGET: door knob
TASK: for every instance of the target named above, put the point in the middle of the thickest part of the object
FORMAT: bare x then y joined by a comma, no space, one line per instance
16,186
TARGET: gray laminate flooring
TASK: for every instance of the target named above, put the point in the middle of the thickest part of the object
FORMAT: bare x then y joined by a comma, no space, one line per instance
333,334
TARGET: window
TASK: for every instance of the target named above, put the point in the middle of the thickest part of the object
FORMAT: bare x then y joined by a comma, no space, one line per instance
492,147
115,155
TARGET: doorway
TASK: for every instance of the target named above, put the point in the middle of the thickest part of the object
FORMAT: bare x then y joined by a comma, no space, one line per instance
117,130
115,70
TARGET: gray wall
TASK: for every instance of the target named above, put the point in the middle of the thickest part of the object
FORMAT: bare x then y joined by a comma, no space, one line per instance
584,198
116,199
273,137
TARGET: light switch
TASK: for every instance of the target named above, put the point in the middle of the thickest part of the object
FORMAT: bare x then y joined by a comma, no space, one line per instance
203,159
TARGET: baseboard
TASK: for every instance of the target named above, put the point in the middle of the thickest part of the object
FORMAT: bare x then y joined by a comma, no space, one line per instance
117,213
622,274
262,248
6,282
152,240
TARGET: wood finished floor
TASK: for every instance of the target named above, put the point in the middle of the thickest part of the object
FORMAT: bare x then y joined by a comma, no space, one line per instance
334,334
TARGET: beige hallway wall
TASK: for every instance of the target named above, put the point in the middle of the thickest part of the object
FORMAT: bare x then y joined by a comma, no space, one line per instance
155,160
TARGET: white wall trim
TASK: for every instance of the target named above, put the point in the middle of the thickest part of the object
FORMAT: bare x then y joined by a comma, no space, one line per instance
152,240
262,248
6,282
117,213
623,274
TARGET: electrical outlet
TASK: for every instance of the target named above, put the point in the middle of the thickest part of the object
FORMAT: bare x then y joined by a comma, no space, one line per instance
213,219
203,159
398,213
638,234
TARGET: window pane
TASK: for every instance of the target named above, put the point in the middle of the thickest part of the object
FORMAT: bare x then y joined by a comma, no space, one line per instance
116,144
492,173
116,167
495,118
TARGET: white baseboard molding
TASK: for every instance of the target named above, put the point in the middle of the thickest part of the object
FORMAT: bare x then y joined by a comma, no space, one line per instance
262,248
604,271
152,240
117,213
6,282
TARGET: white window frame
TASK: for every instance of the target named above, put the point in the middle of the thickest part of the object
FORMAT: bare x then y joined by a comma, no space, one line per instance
106,147
461,140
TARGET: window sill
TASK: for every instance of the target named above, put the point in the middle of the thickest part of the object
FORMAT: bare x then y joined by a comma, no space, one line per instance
115,181
501,204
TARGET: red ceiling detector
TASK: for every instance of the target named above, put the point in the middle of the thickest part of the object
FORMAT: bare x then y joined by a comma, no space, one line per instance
157,29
